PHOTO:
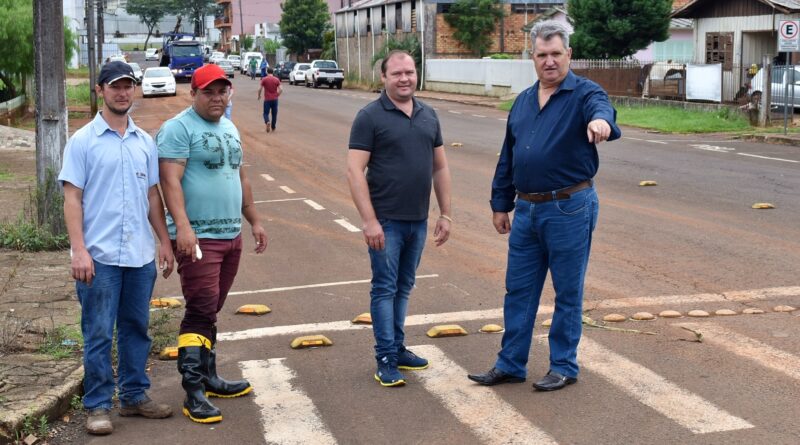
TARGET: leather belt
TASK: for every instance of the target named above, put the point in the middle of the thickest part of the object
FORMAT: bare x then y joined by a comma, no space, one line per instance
564,193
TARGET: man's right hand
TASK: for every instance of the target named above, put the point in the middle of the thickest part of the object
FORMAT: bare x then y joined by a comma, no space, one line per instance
373,235
501,222
186,240
82,266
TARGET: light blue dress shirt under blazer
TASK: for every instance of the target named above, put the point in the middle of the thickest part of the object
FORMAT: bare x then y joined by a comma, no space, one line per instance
115,173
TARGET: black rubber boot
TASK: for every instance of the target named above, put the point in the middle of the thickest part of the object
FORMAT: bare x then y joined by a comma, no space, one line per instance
215,385
192,364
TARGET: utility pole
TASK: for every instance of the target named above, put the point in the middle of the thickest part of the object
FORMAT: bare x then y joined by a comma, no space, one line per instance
241,28
90,42
51,110
101,31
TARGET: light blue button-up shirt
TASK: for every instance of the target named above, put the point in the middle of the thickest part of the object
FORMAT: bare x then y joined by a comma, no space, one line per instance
115,174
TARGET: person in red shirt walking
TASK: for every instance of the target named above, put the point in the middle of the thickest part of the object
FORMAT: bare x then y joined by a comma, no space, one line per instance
271,86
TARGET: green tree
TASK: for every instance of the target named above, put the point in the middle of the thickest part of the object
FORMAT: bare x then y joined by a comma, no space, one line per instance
328,45
271,46
16,51
247,43
150,12
473,22
196,10
303,24
617,29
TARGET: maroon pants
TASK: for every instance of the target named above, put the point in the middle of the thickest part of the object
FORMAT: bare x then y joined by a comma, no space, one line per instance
206,282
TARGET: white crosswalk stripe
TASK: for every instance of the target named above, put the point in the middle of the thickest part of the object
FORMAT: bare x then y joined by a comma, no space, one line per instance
491,419
748,348
288,415
686,408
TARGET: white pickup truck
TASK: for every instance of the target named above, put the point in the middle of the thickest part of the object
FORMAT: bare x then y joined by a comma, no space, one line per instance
324,72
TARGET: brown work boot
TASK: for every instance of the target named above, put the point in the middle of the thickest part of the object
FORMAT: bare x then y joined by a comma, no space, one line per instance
147,408
99,422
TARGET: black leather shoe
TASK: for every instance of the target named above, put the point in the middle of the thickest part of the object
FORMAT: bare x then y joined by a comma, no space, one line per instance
553,381
495,377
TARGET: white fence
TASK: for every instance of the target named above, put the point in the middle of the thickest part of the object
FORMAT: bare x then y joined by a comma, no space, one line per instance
484,77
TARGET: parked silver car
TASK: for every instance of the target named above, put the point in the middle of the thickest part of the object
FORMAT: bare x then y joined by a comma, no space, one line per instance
782,77
226,66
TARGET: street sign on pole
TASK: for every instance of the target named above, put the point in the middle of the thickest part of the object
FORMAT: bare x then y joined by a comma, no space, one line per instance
789,36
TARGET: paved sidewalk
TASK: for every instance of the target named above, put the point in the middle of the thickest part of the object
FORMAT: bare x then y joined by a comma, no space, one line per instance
37,295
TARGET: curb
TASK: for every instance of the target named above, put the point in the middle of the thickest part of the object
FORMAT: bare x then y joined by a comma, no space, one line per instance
52,403
771,139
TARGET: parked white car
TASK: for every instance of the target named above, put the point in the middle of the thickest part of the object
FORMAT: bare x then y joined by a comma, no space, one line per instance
158,81
216,55
324,72
151,54
298,73
236,60
137,71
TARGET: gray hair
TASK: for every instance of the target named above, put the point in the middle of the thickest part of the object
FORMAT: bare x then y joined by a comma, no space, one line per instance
548,29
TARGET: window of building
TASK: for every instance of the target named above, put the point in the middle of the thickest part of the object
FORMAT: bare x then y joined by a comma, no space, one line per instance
719,49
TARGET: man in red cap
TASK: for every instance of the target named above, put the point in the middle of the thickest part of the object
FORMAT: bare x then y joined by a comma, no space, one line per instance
207,193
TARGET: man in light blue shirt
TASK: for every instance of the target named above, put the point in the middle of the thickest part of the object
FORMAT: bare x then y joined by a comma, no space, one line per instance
110,178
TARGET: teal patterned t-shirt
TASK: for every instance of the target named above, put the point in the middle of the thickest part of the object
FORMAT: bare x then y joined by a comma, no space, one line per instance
212,189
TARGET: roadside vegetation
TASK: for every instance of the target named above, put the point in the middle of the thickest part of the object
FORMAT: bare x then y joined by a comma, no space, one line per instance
676,120
78,95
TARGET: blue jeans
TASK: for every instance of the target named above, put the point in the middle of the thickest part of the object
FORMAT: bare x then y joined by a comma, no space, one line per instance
554,235
121,296
393,274
271,105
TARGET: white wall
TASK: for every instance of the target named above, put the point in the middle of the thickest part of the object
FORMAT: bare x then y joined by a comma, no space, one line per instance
482,76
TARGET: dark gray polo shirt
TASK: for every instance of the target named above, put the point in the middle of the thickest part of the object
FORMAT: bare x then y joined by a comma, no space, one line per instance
400,169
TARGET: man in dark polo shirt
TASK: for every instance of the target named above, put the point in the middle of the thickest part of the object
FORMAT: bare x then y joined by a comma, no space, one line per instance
548,160
399,140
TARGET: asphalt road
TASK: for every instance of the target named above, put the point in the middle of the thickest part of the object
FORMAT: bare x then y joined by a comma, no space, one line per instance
691,242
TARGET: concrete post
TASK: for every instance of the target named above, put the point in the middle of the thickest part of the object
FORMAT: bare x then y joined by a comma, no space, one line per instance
51,110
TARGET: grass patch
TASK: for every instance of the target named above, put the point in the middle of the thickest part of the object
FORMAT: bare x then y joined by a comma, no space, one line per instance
676,120
79,95
163,329
27,233
78,73
62,342
506,106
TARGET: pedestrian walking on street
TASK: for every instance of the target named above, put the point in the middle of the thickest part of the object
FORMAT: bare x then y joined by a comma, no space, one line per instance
263,67
253,66
547,162
271,86
398,140
207,192
110,179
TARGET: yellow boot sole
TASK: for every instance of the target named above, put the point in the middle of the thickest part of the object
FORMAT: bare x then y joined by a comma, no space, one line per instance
213,419
238,394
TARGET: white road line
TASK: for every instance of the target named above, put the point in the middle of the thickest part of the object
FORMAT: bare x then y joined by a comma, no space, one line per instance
767,157
346,224
288,416
278,200
453,111
644,140
267,177
684,407
287,189
480,408
748,348
478,115
493,314
313,204
502,119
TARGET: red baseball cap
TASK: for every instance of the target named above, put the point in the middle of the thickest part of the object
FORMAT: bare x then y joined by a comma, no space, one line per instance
206,74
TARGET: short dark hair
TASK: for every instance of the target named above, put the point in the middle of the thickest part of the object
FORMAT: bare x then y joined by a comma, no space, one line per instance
391,54
270,70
